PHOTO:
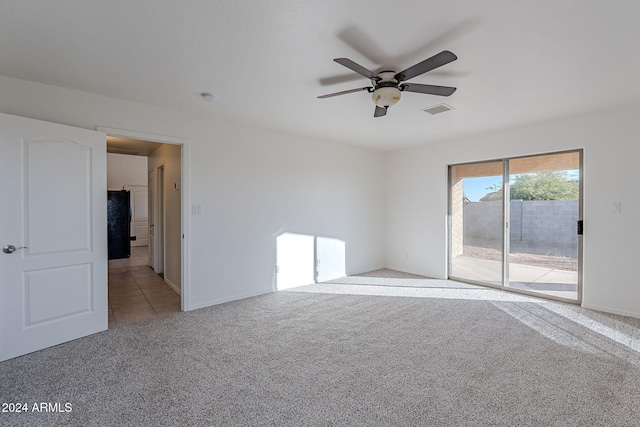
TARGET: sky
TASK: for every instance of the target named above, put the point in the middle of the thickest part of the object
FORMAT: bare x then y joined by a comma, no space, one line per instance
475,188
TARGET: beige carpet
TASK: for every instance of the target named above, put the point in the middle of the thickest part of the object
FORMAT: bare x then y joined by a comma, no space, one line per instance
321,359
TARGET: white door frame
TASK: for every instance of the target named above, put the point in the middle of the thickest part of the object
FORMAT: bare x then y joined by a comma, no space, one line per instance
184,194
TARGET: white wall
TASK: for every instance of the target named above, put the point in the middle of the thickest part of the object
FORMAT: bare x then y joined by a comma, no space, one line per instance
125,169
253,185
417,198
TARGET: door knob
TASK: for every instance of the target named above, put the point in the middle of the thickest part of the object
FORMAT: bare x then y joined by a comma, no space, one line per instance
9,249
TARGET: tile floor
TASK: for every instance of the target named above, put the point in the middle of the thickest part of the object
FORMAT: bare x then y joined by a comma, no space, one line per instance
136,292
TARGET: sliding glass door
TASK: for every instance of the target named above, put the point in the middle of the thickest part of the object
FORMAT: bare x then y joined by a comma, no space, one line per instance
514,224
476,244
544,211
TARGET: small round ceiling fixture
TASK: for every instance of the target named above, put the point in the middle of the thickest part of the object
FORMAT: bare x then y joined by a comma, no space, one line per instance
207,97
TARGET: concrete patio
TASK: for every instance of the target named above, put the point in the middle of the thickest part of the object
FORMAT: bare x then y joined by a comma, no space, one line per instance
552,282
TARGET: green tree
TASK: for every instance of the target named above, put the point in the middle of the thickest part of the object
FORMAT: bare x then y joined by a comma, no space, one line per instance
557,185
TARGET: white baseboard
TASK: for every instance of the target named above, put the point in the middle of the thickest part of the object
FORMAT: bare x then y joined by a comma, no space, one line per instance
403,270
226,299
367,270
611,310
173,286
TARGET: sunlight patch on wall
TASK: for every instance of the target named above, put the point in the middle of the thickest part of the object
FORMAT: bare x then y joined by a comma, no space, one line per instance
303,259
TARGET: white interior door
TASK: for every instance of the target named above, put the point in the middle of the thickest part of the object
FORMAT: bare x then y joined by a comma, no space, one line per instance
152,215
158,263
54,284
139,214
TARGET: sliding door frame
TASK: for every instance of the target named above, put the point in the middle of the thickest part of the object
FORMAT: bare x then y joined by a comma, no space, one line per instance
506,223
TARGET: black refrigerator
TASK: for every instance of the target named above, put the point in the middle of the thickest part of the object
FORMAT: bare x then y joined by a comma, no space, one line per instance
118,224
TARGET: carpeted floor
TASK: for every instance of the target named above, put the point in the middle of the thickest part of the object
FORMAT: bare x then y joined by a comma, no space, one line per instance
321,359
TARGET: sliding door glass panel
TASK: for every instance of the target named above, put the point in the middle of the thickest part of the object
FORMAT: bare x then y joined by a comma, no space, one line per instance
476,248
544,210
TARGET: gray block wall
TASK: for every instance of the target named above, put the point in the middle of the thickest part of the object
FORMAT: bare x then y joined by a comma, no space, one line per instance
546,227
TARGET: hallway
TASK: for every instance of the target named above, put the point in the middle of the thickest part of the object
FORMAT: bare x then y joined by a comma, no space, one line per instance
136,292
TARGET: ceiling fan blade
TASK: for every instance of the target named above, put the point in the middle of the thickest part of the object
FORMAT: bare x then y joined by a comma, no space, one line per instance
343,78
355,38
344,92
432,63
380,111
357,68
428,89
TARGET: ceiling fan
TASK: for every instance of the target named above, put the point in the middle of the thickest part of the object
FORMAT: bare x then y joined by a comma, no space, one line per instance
387,85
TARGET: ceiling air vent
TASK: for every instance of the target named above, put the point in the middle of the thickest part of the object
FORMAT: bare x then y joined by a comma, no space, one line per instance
437,109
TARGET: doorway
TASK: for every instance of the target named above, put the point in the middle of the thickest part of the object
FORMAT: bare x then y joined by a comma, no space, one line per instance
516,223
162,274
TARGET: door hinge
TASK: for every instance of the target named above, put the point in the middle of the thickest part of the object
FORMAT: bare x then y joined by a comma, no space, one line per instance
580,227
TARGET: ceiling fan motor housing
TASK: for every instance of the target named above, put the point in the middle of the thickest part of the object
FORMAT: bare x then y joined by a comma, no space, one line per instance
386,93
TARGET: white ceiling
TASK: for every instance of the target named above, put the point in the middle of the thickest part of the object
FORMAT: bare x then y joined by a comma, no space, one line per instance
267,60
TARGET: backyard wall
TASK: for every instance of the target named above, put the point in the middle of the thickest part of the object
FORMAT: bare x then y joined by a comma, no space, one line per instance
545,227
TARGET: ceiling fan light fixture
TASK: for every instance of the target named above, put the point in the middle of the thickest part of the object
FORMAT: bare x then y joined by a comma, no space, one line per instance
386,96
